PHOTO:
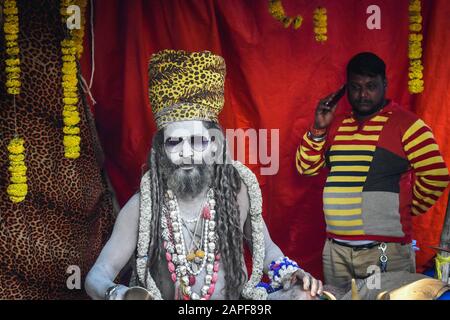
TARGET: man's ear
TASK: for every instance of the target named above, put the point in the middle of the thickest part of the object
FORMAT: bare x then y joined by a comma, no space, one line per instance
214,147
385,83
212,154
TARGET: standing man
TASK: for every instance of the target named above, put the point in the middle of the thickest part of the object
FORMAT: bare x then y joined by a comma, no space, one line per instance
187,225
385,167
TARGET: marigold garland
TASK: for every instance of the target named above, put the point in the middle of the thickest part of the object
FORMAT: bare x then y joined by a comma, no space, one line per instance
320,24
415,83
11,29
71,48
17,189
277,11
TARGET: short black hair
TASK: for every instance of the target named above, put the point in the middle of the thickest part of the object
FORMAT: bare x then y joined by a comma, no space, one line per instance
367,64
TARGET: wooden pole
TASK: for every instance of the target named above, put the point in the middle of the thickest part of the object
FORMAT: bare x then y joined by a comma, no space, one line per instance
445,243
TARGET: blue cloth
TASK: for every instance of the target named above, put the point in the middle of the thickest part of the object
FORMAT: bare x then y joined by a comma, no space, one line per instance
431,273
268,287
445,296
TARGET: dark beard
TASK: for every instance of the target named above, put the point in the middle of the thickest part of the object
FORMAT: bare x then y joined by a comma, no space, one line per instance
186,183
373,110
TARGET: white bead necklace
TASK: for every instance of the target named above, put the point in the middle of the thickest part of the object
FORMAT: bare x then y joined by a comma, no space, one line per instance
182,271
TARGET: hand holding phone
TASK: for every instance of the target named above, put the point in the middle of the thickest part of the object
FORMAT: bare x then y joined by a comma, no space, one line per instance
336,97
326,107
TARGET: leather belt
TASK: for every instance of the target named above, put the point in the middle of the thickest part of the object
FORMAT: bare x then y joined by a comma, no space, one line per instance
356,247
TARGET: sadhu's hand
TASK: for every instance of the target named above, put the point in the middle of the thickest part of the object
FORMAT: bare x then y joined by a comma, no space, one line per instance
119,293
307,280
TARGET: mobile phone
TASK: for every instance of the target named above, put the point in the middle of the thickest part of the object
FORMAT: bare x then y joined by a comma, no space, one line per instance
339,94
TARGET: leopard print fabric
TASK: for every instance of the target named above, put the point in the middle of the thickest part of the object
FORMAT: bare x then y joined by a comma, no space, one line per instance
69,210
186,86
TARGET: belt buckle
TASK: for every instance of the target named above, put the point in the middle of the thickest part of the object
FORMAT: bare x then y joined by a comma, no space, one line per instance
366,246
360,248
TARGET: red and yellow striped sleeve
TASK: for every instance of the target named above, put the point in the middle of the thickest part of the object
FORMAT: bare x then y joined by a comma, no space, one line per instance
310,157
432,175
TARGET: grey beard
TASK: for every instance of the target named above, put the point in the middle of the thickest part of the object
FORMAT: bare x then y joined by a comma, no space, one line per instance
189,183
186,183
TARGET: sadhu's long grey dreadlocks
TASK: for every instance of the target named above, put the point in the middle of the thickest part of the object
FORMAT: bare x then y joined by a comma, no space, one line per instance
226,184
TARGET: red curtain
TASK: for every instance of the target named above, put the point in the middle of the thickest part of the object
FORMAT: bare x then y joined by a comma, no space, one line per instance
275,76
433,105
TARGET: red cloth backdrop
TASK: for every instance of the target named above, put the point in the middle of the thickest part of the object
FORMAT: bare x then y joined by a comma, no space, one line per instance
275,77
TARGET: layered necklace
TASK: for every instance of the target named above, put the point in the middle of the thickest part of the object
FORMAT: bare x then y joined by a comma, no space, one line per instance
186,263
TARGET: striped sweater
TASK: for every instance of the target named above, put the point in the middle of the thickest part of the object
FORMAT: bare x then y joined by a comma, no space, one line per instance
381,172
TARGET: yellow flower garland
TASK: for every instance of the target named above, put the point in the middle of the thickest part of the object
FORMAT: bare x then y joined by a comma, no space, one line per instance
320,24
415,83
11,29
71,48
17,189
276,10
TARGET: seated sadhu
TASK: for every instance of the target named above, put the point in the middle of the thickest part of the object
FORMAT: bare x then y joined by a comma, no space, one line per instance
187,225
